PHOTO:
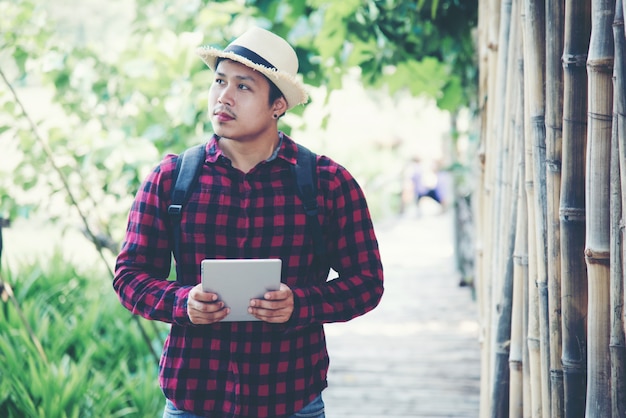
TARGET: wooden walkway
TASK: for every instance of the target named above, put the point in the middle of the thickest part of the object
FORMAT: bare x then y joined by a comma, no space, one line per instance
417,354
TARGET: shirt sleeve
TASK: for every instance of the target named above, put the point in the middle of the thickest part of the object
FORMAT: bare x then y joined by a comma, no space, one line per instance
144,262
354,255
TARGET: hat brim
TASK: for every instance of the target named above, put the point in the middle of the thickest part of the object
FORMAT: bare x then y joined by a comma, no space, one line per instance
290,86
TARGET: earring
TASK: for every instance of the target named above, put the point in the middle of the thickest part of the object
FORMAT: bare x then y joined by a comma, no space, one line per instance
275,116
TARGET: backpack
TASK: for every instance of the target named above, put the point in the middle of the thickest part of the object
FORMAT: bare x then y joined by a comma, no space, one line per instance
187,171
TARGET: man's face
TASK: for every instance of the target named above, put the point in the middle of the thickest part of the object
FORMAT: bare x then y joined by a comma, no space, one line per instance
239,105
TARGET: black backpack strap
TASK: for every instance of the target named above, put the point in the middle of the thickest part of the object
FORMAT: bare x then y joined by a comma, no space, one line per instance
305,172
185,177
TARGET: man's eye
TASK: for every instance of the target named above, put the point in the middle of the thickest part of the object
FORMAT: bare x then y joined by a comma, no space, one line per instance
219,81
244,87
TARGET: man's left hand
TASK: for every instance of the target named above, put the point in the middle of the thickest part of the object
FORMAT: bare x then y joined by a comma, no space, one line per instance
276,306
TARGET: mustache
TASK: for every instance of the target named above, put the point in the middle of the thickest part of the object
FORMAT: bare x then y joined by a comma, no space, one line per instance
224,109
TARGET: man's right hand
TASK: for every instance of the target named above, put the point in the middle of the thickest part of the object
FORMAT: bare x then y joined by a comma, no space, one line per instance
204,307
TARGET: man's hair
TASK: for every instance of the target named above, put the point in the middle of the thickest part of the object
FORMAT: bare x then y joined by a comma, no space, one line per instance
275,92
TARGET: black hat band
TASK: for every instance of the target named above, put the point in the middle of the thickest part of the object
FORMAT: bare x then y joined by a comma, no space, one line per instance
250,55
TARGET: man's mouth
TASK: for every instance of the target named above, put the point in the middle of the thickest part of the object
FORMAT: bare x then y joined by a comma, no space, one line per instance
223,115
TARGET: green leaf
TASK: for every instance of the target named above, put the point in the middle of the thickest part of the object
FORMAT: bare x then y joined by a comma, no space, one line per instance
453,95
62,80
426,77
362,52
20,56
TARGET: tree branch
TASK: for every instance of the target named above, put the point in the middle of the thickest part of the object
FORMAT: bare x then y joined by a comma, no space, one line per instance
93,237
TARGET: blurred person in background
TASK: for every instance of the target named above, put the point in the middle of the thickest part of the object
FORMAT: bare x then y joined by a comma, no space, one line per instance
428,180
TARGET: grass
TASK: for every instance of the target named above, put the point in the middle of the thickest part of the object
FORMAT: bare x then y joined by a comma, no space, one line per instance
95,362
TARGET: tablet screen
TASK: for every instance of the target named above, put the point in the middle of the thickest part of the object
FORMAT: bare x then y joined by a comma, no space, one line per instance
238,281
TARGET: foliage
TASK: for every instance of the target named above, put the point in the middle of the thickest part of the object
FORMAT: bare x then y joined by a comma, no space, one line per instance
101,119
95,363
115,114
405,44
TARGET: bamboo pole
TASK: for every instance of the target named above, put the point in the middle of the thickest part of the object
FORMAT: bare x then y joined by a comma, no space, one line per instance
617,333
534,58
500,149
483,94
620,110
534,65
484,292
517,362
504,213
572,207
617,347
500,388
597,247
481,198
481,193
516,353
489,20
520,389
532,336
555,14
521,138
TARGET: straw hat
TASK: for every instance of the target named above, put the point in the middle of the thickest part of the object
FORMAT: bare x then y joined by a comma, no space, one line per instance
266,53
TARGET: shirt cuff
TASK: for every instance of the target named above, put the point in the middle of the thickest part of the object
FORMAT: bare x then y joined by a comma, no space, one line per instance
301,316
179,311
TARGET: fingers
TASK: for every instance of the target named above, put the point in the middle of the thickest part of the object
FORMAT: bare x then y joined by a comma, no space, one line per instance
204,307
276,307
276,316
200,295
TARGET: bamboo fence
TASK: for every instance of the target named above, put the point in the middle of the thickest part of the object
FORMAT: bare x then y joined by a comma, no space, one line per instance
552,208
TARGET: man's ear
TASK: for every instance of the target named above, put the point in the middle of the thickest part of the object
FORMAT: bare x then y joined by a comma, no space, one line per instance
280,106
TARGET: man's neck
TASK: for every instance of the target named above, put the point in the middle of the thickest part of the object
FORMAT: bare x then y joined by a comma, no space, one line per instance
245,155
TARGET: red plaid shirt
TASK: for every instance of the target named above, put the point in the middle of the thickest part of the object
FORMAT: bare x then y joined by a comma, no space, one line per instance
249,369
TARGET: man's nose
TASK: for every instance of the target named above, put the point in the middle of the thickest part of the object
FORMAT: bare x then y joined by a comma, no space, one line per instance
226,96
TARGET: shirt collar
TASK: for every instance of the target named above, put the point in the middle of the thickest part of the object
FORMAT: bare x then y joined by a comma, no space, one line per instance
286,149
280,143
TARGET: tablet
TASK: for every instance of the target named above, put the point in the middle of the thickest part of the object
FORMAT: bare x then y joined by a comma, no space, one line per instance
238,281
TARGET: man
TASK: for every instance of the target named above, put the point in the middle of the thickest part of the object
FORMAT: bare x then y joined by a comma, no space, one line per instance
246,206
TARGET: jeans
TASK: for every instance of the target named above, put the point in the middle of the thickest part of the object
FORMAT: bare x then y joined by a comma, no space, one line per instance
315,409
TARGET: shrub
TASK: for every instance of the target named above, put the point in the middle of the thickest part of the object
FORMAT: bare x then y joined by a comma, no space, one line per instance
94,363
